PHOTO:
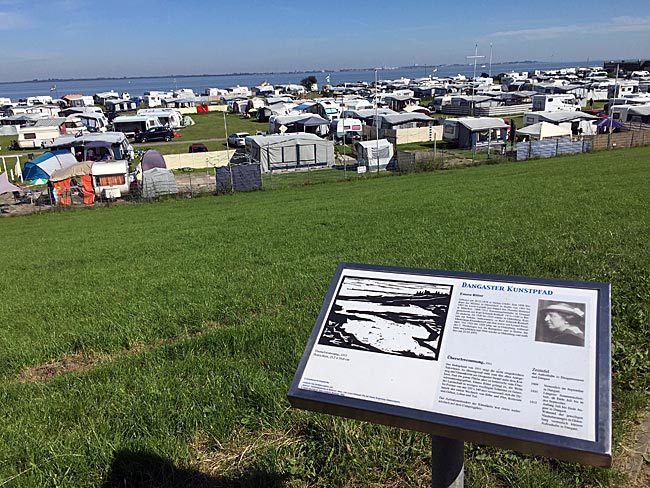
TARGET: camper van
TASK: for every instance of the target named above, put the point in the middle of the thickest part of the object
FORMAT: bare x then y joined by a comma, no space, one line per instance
555,102
348,129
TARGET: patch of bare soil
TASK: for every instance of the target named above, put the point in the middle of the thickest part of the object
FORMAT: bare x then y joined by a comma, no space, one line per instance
214,458
78,362
67,364
632,460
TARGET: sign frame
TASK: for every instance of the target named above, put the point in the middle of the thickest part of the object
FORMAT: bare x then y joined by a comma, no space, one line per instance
596,453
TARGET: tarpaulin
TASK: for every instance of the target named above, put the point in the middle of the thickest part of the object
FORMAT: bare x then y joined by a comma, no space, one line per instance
87,189
62,192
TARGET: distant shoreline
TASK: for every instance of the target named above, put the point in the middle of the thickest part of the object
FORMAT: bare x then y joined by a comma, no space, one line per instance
206,75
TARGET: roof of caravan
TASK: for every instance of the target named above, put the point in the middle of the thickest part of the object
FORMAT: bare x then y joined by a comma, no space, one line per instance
482,123
403,118
133,118
370,112
49,122
563,116
642,110
284,138
71,140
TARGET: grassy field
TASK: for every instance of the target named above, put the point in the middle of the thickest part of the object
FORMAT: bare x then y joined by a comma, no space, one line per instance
153,344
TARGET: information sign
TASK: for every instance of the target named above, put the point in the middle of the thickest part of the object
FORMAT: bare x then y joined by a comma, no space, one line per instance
361,169
521,363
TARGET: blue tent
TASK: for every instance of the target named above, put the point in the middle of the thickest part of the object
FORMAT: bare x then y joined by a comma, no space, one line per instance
46,163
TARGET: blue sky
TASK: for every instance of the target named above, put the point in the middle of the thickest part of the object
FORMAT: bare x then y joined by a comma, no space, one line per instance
84,38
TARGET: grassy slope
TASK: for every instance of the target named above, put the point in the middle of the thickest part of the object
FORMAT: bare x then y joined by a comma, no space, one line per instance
201,309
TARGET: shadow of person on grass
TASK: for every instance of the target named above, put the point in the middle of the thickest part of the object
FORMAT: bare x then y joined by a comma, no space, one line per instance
136,469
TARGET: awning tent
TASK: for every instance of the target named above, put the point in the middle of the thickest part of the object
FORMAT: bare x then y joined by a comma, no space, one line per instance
295,150
158,181
78,169
5,186
544,130
46,163
375,155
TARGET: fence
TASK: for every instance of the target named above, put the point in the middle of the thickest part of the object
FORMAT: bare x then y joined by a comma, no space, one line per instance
549,148
631,138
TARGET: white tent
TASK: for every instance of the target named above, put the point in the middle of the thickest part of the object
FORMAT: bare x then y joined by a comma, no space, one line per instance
544,130
367,154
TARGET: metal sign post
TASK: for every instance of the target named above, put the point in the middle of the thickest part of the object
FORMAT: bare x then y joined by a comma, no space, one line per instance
447,462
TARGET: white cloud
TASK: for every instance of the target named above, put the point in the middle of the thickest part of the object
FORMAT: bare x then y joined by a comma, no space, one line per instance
615,25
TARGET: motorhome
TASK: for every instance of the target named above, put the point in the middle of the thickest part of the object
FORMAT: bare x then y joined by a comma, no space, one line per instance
555,102
130,124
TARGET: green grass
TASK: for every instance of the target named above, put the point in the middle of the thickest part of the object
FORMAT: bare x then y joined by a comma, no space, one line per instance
211,126
423,146
194,313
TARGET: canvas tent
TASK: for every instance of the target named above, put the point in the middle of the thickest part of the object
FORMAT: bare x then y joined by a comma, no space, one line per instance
297,150
544,130
153,159
158,181
46,163
368,152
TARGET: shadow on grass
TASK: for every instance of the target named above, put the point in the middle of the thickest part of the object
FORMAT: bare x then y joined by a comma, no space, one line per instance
135,469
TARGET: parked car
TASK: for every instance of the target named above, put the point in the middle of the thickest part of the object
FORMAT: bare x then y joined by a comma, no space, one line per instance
237,139
195,148
158,133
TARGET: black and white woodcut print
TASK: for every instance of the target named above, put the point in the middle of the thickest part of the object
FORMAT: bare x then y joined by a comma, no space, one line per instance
404,318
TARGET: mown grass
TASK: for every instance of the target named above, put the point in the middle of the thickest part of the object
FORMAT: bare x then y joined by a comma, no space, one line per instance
210,125
192,315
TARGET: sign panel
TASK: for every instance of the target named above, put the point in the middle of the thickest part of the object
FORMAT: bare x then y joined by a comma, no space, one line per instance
516,362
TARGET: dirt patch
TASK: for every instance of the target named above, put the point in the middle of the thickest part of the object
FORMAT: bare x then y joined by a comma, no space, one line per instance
214,458
79,362
67,364
633,452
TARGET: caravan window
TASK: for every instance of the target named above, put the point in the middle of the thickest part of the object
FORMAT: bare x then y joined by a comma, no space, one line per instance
30,135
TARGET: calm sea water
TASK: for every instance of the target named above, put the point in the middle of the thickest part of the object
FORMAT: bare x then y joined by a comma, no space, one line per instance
137,86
